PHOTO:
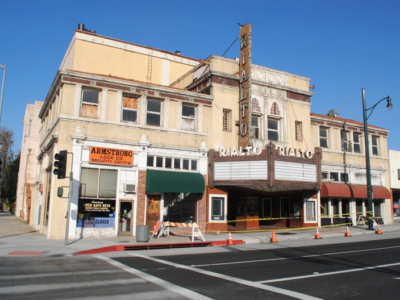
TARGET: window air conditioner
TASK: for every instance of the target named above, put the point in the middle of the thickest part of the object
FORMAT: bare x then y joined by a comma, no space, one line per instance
129,188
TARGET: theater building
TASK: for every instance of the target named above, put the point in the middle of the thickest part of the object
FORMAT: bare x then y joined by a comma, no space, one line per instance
263,163
153,135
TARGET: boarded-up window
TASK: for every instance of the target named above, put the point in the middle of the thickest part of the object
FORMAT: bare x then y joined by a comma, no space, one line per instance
275,109
90,103
129,109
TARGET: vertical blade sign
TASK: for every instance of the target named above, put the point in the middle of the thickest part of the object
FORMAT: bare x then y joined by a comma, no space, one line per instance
245,86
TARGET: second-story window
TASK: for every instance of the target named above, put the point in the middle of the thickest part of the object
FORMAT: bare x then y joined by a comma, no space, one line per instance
90,103
299,131
188,117
153,112
375,145
356,142
130,109
323,137
345,140
273,129
227,120
255,126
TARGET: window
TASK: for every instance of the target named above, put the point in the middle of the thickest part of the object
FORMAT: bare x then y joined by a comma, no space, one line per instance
335,207
153,113
377,209
255,126
180,207
296,208
334,176
171,163
150,161
311,215
90,103
168,163
285,207
266,207
323,137
227,120
188,117
217,204
324,207
97,183
129,109
177,163
273,128
325,175
345,140
356,142
299,131
375,148
159,162
345,208
344,177
185,164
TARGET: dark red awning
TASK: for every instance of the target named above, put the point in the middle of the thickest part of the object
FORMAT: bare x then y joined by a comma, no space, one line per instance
358,191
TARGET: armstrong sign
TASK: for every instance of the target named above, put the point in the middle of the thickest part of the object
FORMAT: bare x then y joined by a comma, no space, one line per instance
108,156
249,150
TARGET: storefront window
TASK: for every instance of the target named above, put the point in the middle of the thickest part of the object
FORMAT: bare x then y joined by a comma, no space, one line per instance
310,211
248,206
96,213
285,207
180,207
335,207
297,204
93,209
359,207
377,209
345,207
266,208
324,207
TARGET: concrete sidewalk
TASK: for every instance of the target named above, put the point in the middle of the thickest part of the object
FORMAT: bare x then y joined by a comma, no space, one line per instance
18,238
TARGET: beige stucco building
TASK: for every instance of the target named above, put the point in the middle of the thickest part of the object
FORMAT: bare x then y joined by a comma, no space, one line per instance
343,193
153,135
27,187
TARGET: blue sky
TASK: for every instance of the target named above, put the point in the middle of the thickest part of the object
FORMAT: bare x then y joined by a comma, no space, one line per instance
341,45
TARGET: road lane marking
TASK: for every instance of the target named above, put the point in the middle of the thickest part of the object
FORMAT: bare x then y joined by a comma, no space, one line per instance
39,275
291,257
34,288
150,278
232,279
328,273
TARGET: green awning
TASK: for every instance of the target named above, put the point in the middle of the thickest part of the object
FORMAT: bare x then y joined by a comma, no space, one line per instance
174,182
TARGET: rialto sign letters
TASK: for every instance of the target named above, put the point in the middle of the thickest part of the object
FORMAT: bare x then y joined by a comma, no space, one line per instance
249,150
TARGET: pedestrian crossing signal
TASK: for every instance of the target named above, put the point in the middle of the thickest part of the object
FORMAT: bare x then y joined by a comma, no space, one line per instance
60,164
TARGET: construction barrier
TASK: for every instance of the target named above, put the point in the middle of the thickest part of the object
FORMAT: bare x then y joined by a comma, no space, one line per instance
162,229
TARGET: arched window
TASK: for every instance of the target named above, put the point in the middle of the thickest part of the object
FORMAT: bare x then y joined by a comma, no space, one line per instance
275,109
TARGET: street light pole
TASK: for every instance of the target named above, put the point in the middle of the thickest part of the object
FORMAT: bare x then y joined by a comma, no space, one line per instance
2,88
367,156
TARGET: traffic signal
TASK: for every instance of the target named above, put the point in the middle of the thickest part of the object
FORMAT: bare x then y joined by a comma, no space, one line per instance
60,164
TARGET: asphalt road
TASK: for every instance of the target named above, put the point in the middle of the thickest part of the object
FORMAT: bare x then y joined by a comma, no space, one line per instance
358,270
364,270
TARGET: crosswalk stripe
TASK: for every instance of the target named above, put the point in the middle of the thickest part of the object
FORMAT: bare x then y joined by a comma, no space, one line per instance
76,273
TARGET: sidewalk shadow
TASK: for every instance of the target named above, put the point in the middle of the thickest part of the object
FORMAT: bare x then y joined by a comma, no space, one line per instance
5,236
